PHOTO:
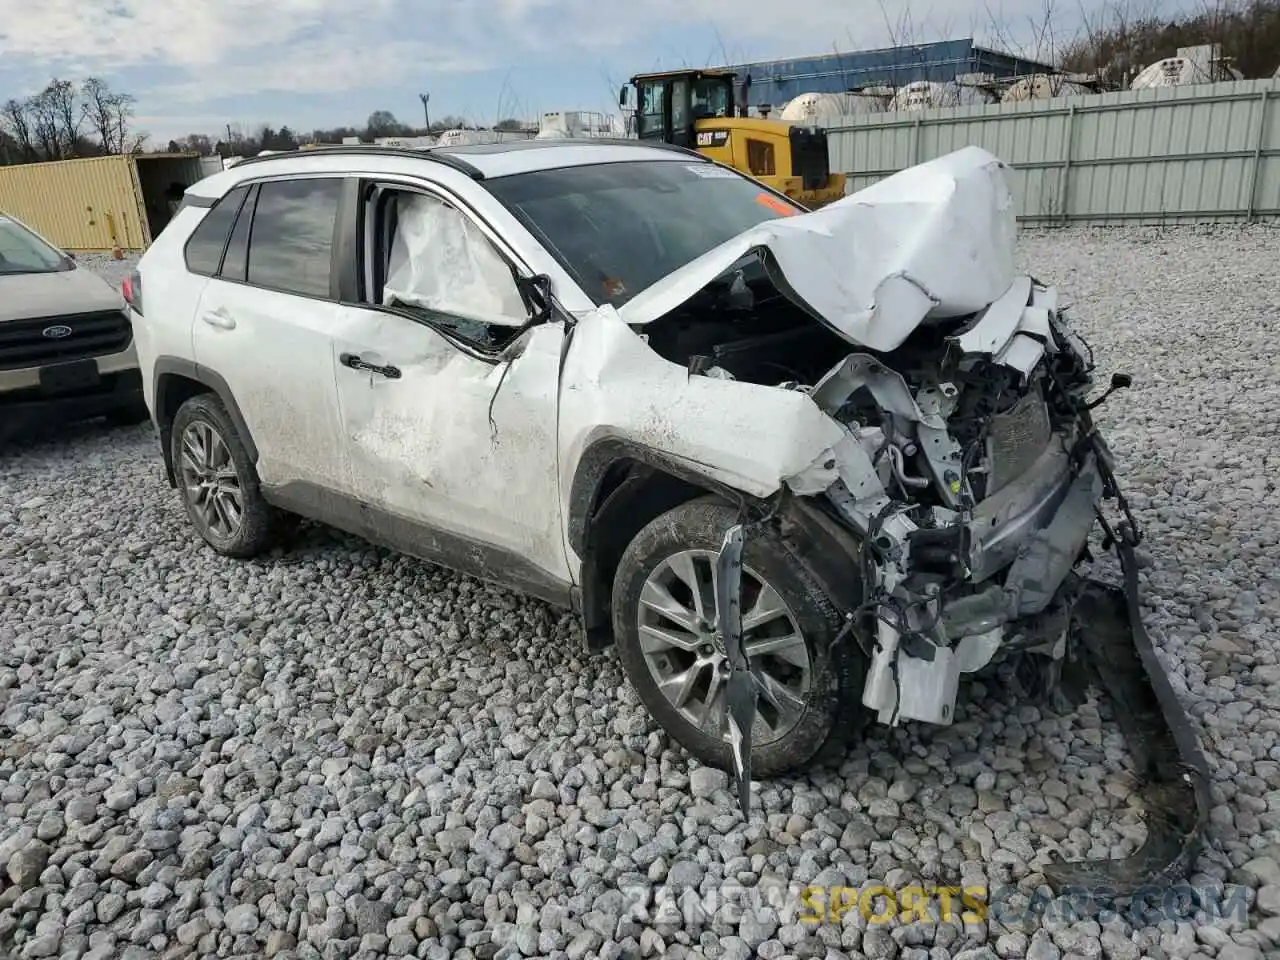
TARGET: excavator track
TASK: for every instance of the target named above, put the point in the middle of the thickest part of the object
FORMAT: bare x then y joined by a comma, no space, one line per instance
1174,776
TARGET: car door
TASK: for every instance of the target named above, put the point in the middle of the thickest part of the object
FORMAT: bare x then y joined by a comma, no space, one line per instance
265,323
448,405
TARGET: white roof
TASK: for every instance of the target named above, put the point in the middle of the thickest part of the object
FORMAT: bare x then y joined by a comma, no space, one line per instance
490,159
525,156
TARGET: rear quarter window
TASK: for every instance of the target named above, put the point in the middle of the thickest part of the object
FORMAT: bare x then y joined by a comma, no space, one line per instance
209,240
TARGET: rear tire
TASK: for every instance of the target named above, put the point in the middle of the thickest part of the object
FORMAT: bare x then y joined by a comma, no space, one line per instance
825,685
217,481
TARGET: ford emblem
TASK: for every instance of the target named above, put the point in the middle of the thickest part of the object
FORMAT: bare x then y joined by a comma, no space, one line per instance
56,332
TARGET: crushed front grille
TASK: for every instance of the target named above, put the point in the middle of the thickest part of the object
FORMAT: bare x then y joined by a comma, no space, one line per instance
45,340
1017,437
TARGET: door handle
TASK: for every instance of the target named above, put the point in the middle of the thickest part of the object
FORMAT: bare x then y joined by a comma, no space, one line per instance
353,361
215,318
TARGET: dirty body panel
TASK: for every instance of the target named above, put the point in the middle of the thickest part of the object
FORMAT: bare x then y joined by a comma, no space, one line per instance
881,360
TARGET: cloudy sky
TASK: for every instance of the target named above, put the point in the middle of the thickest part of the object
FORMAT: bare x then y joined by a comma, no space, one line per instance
196,65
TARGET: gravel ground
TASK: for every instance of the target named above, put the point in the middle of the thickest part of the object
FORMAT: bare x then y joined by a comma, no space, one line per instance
336,752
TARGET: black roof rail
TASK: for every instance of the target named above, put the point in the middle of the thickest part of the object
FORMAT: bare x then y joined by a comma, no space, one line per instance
370,149
622,142
476,149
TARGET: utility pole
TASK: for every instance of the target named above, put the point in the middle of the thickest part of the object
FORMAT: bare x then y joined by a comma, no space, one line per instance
426,111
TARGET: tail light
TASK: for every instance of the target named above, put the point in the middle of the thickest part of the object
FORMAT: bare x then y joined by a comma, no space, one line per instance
131,288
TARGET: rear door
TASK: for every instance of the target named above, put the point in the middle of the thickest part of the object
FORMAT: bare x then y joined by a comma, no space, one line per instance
265,323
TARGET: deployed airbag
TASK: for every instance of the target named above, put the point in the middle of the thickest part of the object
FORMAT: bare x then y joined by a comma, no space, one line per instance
441,261
935,240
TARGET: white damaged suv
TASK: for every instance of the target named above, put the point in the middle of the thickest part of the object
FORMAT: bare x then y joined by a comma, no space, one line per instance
802,468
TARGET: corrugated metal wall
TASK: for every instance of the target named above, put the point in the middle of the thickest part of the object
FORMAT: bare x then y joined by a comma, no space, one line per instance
776,81
78,204
1201,153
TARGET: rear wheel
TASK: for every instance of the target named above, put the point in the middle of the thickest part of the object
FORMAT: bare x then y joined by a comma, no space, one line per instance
665,623
218,482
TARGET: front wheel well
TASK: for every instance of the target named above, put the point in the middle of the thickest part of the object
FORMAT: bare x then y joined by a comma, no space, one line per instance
631,494
172,391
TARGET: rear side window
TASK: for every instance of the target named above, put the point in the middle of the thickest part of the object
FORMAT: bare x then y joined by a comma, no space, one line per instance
291,243
209,239
237,256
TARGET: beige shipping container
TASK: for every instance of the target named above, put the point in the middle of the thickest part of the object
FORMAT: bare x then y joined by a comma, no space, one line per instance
97,203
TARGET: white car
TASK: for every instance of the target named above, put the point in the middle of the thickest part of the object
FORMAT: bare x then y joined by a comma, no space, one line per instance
792,463
66,345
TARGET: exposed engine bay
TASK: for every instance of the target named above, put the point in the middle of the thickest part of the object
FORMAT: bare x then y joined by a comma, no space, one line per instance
972,476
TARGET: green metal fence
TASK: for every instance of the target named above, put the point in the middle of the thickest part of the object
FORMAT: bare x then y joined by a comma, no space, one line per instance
1201,153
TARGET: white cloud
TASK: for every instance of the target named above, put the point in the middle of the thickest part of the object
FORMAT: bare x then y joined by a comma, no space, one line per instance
228,48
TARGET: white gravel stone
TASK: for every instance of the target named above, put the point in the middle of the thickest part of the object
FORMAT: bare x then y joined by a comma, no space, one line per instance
337,747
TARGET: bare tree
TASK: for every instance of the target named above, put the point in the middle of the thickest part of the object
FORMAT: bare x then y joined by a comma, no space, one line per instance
64,104
46,131
109,114
1041,42
124,139
15,118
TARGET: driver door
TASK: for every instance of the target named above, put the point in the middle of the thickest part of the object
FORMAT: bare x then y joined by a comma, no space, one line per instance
448,408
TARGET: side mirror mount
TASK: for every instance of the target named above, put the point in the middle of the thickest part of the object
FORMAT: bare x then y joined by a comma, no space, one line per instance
69,255
535,291
1119,381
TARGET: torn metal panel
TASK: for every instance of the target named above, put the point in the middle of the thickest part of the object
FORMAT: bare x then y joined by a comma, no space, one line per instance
933,241
741,689
1174,776
998,322
1005,519
1048,555
747,436
859,370
848,461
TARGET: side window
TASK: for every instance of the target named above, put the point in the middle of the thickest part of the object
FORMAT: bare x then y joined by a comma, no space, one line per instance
236,261
204,248
436,263
680,105
652,109
760,158
291,243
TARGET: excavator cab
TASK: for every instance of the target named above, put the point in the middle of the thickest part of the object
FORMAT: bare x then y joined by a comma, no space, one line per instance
698,110
669,105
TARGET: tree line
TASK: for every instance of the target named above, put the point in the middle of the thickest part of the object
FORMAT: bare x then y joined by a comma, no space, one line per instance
235,142
1125,36
66,120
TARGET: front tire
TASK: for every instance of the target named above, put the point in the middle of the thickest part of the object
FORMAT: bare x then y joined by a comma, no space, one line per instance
669,649
217,480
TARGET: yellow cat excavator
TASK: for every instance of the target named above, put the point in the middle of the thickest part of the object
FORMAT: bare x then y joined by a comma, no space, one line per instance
697,109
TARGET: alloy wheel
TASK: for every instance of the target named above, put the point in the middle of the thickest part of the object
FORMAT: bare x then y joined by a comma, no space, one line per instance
682,644
210,480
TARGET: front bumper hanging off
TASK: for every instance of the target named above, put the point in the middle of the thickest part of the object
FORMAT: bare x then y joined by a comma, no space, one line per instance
1172,771
1106,626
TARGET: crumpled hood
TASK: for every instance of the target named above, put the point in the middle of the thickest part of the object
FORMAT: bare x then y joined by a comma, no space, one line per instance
935,240
32,295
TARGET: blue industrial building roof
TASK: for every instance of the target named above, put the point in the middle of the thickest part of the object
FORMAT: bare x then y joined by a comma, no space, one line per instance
776,81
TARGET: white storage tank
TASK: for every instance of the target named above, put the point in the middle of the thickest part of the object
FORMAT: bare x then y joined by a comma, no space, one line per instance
930,95
1202,64
1044,86
573,124
827,109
